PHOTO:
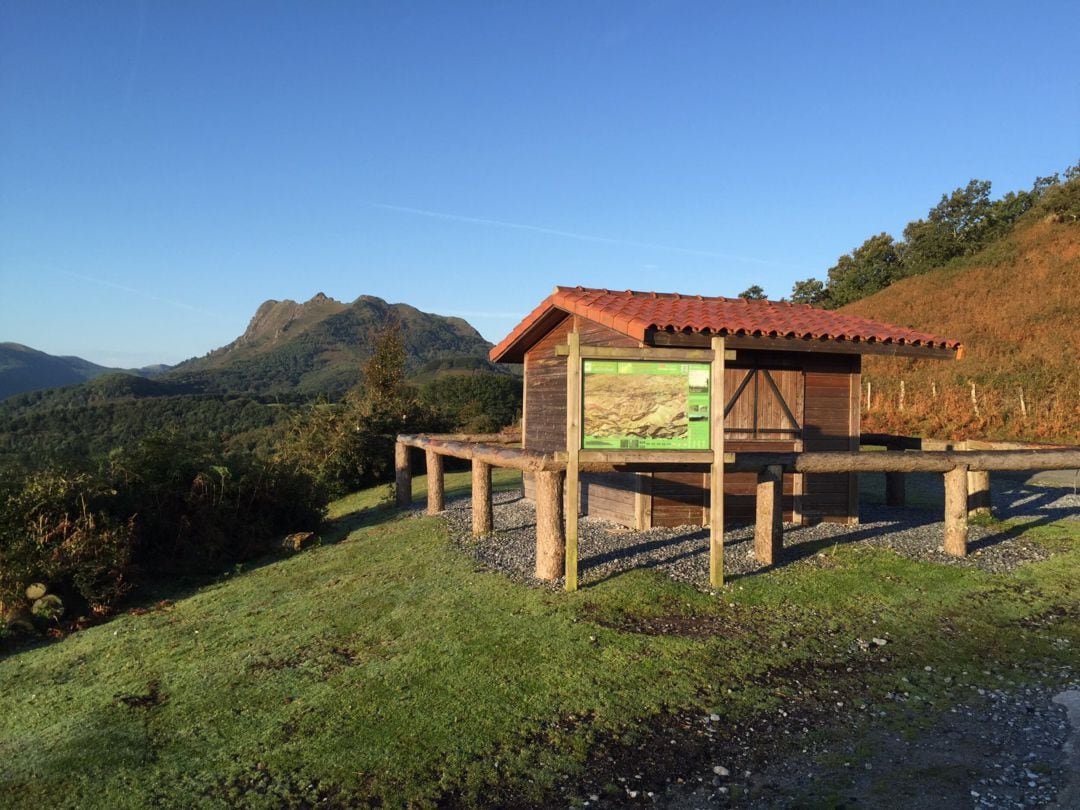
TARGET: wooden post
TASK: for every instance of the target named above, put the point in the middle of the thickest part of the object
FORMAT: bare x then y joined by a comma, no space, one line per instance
769,526
435,500
550,539
573,448
402,475
716,469
956,500
482,520
979,493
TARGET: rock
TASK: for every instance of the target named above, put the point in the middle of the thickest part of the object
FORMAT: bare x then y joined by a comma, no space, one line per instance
300,541
720,770
36,590
879,641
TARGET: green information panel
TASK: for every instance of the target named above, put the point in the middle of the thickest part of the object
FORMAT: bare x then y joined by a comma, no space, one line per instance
642,405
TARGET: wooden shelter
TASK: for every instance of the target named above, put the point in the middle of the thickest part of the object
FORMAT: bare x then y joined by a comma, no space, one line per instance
788,377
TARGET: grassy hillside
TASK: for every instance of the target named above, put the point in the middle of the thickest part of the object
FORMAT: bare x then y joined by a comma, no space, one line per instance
1016,309
384,669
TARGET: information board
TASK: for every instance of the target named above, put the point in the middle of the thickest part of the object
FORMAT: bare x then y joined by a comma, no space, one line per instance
645,405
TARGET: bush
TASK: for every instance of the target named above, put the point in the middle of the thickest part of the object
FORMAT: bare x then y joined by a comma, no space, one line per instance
199,512
54,531
162,508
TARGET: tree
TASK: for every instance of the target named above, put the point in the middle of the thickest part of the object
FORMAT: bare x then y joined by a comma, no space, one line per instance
384,372
872,266
754,293
349,445
809,291
957,226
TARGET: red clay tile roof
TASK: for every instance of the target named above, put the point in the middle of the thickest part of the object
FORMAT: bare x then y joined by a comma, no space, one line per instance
635,313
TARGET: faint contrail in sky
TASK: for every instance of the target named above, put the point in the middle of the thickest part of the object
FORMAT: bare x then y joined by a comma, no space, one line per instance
584,237
141,293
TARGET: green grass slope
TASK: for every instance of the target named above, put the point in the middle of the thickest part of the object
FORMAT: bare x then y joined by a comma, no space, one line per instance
384,668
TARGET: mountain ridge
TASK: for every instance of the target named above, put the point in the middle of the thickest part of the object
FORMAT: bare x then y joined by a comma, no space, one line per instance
24,368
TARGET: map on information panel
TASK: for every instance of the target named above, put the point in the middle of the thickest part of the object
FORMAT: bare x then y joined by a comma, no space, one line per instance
644,405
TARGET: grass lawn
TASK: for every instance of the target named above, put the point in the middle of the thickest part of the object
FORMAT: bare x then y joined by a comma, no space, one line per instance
384,667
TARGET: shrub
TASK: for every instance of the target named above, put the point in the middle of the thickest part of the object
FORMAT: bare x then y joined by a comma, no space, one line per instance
55,530
161,508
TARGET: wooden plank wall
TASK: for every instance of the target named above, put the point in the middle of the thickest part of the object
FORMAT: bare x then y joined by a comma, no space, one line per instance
545,376
820,389
827,425
788,377
609,496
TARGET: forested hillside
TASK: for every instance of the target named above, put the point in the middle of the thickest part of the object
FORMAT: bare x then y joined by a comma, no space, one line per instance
26,369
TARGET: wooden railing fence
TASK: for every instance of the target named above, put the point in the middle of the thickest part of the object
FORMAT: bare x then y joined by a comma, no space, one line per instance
966,467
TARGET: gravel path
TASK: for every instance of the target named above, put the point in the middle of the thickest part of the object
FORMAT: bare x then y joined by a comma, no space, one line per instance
605,548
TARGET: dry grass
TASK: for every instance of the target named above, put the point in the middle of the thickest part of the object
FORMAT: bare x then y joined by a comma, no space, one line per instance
1015,308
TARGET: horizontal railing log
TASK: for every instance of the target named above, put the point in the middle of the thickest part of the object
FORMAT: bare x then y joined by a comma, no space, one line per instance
940,461
965,465
516,458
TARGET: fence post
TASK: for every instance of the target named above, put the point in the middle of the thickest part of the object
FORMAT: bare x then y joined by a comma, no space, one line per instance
402,475
769,526
550,527
435,500
979,502
956,513
482,521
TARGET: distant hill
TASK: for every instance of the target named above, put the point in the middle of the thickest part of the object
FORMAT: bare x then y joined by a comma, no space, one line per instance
26,369
242,395
319,348
1016,308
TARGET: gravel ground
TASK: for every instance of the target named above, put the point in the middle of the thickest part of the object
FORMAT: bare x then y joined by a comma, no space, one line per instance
997,748
605,549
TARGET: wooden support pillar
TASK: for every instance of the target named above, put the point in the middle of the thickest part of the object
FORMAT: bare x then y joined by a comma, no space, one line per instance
895,489
979,503
769,526
573,448
482,520
402,475
716,469
956,501
550,539
435,495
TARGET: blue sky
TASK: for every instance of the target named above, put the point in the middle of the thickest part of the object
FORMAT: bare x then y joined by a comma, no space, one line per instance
167,166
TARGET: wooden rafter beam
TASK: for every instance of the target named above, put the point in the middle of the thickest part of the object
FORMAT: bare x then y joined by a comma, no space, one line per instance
693,340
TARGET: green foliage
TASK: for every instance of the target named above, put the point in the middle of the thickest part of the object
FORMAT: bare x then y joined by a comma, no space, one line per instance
159,508
872,266
1061,203
78,426
475,403
753,293
963,223
808,291
348,445
54,528
199,511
